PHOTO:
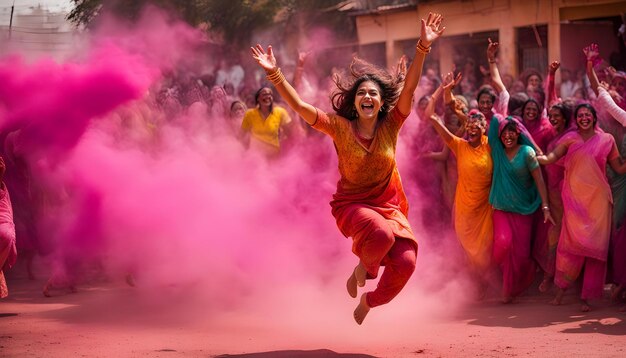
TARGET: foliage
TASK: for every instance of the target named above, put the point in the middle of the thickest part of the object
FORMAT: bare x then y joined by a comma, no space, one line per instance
234,20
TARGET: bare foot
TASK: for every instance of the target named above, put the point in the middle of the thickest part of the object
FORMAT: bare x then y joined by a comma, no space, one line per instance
360,274
356,279
584,307
558,298
545,284
361,310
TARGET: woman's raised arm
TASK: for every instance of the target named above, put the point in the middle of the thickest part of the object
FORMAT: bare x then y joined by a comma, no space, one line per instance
431,30
267,61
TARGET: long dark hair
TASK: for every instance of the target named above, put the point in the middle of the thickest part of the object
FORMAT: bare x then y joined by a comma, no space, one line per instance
361,71
566,112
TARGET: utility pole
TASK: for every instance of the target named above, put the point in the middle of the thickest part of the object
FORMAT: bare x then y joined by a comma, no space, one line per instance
11,20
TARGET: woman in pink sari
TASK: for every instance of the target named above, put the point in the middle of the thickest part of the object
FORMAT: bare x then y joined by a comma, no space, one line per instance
8,253
587,205
545,244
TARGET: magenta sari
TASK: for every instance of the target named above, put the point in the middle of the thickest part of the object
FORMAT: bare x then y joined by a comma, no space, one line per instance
547,235
587,203
511,251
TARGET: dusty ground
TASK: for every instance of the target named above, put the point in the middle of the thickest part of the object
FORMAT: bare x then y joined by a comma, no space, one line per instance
111,319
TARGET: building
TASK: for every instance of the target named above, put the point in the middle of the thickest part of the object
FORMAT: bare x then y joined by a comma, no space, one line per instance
531,33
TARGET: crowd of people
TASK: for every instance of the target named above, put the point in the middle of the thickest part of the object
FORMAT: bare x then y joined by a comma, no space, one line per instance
535,182
538,178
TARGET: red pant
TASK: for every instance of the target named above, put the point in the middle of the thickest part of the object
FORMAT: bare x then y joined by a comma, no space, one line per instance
376,246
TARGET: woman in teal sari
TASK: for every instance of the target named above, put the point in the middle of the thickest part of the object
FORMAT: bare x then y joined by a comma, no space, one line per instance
517,190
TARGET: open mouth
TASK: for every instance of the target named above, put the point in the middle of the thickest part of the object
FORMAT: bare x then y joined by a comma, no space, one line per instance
367,108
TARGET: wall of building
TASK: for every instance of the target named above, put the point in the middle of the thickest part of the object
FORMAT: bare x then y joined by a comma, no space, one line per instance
504,17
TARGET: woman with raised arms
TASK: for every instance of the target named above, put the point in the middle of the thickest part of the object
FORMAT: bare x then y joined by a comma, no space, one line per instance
370,205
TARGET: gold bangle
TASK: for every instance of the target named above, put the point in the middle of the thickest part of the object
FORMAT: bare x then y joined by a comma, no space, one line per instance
274,74
276,77
421,48
421,45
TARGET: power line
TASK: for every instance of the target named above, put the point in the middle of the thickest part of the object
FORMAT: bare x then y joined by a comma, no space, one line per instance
42,33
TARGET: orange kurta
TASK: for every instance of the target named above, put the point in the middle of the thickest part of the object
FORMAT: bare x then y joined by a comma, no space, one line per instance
473,215
369,176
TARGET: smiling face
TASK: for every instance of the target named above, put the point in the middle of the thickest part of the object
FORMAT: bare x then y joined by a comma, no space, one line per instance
585,119
368,100
510,136
265,97
485,104
475,128
533,82
531,112
237,110
557,120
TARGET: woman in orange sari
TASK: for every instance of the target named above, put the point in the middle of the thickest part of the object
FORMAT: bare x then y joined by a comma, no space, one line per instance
473,214
370,205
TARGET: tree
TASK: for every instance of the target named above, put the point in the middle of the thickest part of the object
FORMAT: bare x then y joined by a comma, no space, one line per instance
234,21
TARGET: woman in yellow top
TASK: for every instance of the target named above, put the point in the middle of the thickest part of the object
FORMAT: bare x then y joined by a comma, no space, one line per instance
370,205
265,123
473,221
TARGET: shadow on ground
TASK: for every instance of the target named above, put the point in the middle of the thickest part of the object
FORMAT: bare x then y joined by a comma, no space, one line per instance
319,353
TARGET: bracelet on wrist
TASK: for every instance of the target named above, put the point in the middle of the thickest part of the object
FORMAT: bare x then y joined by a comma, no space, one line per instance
276,77
421,48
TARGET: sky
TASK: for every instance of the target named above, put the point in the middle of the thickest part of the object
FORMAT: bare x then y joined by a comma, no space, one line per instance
25,6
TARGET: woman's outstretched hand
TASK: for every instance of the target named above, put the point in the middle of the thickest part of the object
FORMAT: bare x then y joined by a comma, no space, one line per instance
591,52
431,29
265,59
492,50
